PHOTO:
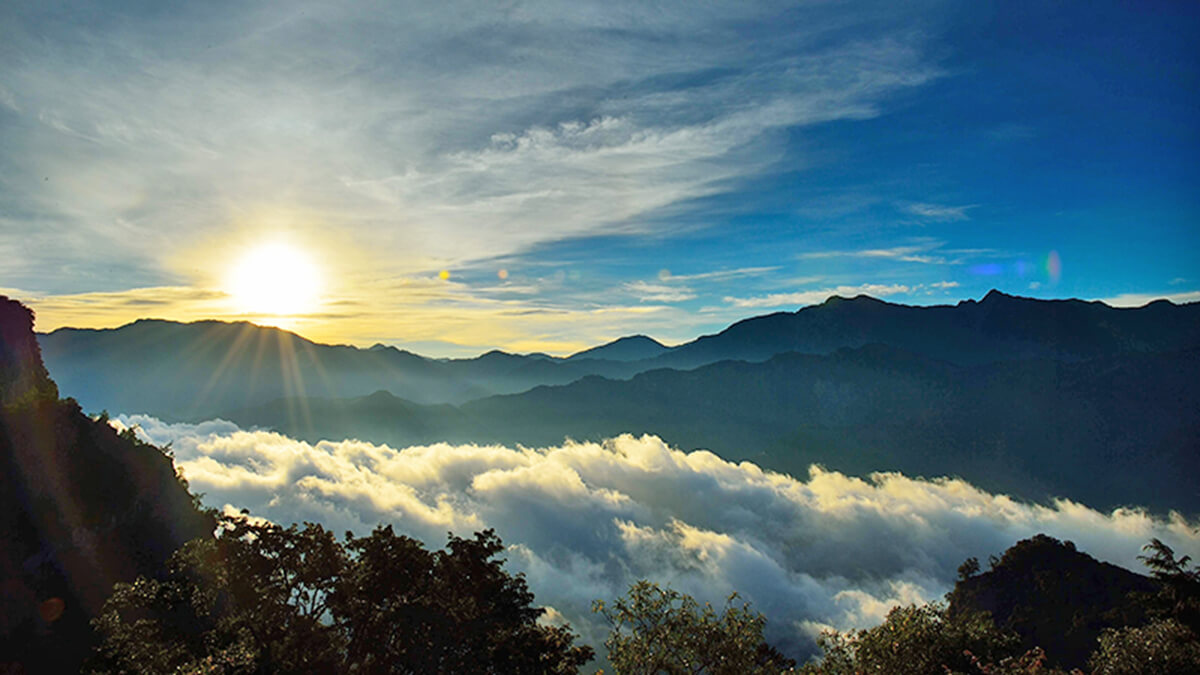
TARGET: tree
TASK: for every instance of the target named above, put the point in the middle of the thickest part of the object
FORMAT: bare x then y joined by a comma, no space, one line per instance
917,640
260,598
1178,596
1164,647
968,569
660,630
1170,643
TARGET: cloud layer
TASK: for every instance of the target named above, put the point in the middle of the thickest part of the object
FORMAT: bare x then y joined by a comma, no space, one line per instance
584,520
430,137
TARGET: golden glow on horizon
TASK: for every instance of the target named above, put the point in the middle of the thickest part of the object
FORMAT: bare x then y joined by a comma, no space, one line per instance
275,279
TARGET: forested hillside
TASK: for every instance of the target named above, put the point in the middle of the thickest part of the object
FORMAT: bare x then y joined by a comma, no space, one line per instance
81,508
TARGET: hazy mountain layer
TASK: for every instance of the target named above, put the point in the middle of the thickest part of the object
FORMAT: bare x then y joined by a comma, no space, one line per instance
192,370
177,370
1112,431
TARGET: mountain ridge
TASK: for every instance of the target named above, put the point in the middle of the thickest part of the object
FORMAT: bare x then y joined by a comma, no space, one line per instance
217,365
1109,432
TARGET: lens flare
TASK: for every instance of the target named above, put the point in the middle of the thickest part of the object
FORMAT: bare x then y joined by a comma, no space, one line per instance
1053,267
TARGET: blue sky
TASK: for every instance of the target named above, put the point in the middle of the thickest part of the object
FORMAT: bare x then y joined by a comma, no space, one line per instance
546,176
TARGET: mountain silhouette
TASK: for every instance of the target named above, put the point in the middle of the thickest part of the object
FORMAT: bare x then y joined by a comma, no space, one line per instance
188,371
81,507
999,327
191,370
1054,596
1113,431
632,348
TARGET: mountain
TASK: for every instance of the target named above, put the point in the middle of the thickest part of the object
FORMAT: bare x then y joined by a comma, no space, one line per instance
998,327
632,348
1054,596
1112,431
81,507
196,370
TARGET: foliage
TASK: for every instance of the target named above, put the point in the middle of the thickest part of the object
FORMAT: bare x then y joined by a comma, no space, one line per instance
1170,643
660,630
260,598
1164,647
1052,596
968,569
1178,596
917,640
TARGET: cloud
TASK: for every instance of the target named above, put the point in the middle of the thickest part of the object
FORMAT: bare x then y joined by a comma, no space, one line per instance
146,150
913,253
438,137
1140,299
659,292
584,520
940,212
815,297
716,275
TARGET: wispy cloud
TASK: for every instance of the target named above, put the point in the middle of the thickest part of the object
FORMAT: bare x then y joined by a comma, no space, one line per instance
716,275
443,131
938,212
659,292
918,253
1140,299
814,297
410,140
583,520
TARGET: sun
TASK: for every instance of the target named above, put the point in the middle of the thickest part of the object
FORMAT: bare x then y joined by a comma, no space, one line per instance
276,279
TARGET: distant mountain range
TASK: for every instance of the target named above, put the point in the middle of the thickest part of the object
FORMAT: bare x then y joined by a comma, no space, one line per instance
176,370
1115,431
632,348
1032,397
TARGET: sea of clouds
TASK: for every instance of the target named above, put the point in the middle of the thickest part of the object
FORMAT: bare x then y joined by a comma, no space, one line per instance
583,521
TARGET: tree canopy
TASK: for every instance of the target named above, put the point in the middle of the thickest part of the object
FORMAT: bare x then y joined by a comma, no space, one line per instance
260,598
660,630
918,640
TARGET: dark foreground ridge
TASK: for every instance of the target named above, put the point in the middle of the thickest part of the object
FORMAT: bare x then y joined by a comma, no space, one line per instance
1056,597
81,507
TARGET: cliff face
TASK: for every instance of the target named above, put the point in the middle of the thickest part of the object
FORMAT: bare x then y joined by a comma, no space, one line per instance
81,508
22,374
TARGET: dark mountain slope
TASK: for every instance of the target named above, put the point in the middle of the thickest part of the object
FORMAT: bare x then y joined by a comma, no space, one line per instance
632,348
195,370
177,370
1113,431
1055,597
80,508
999,327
